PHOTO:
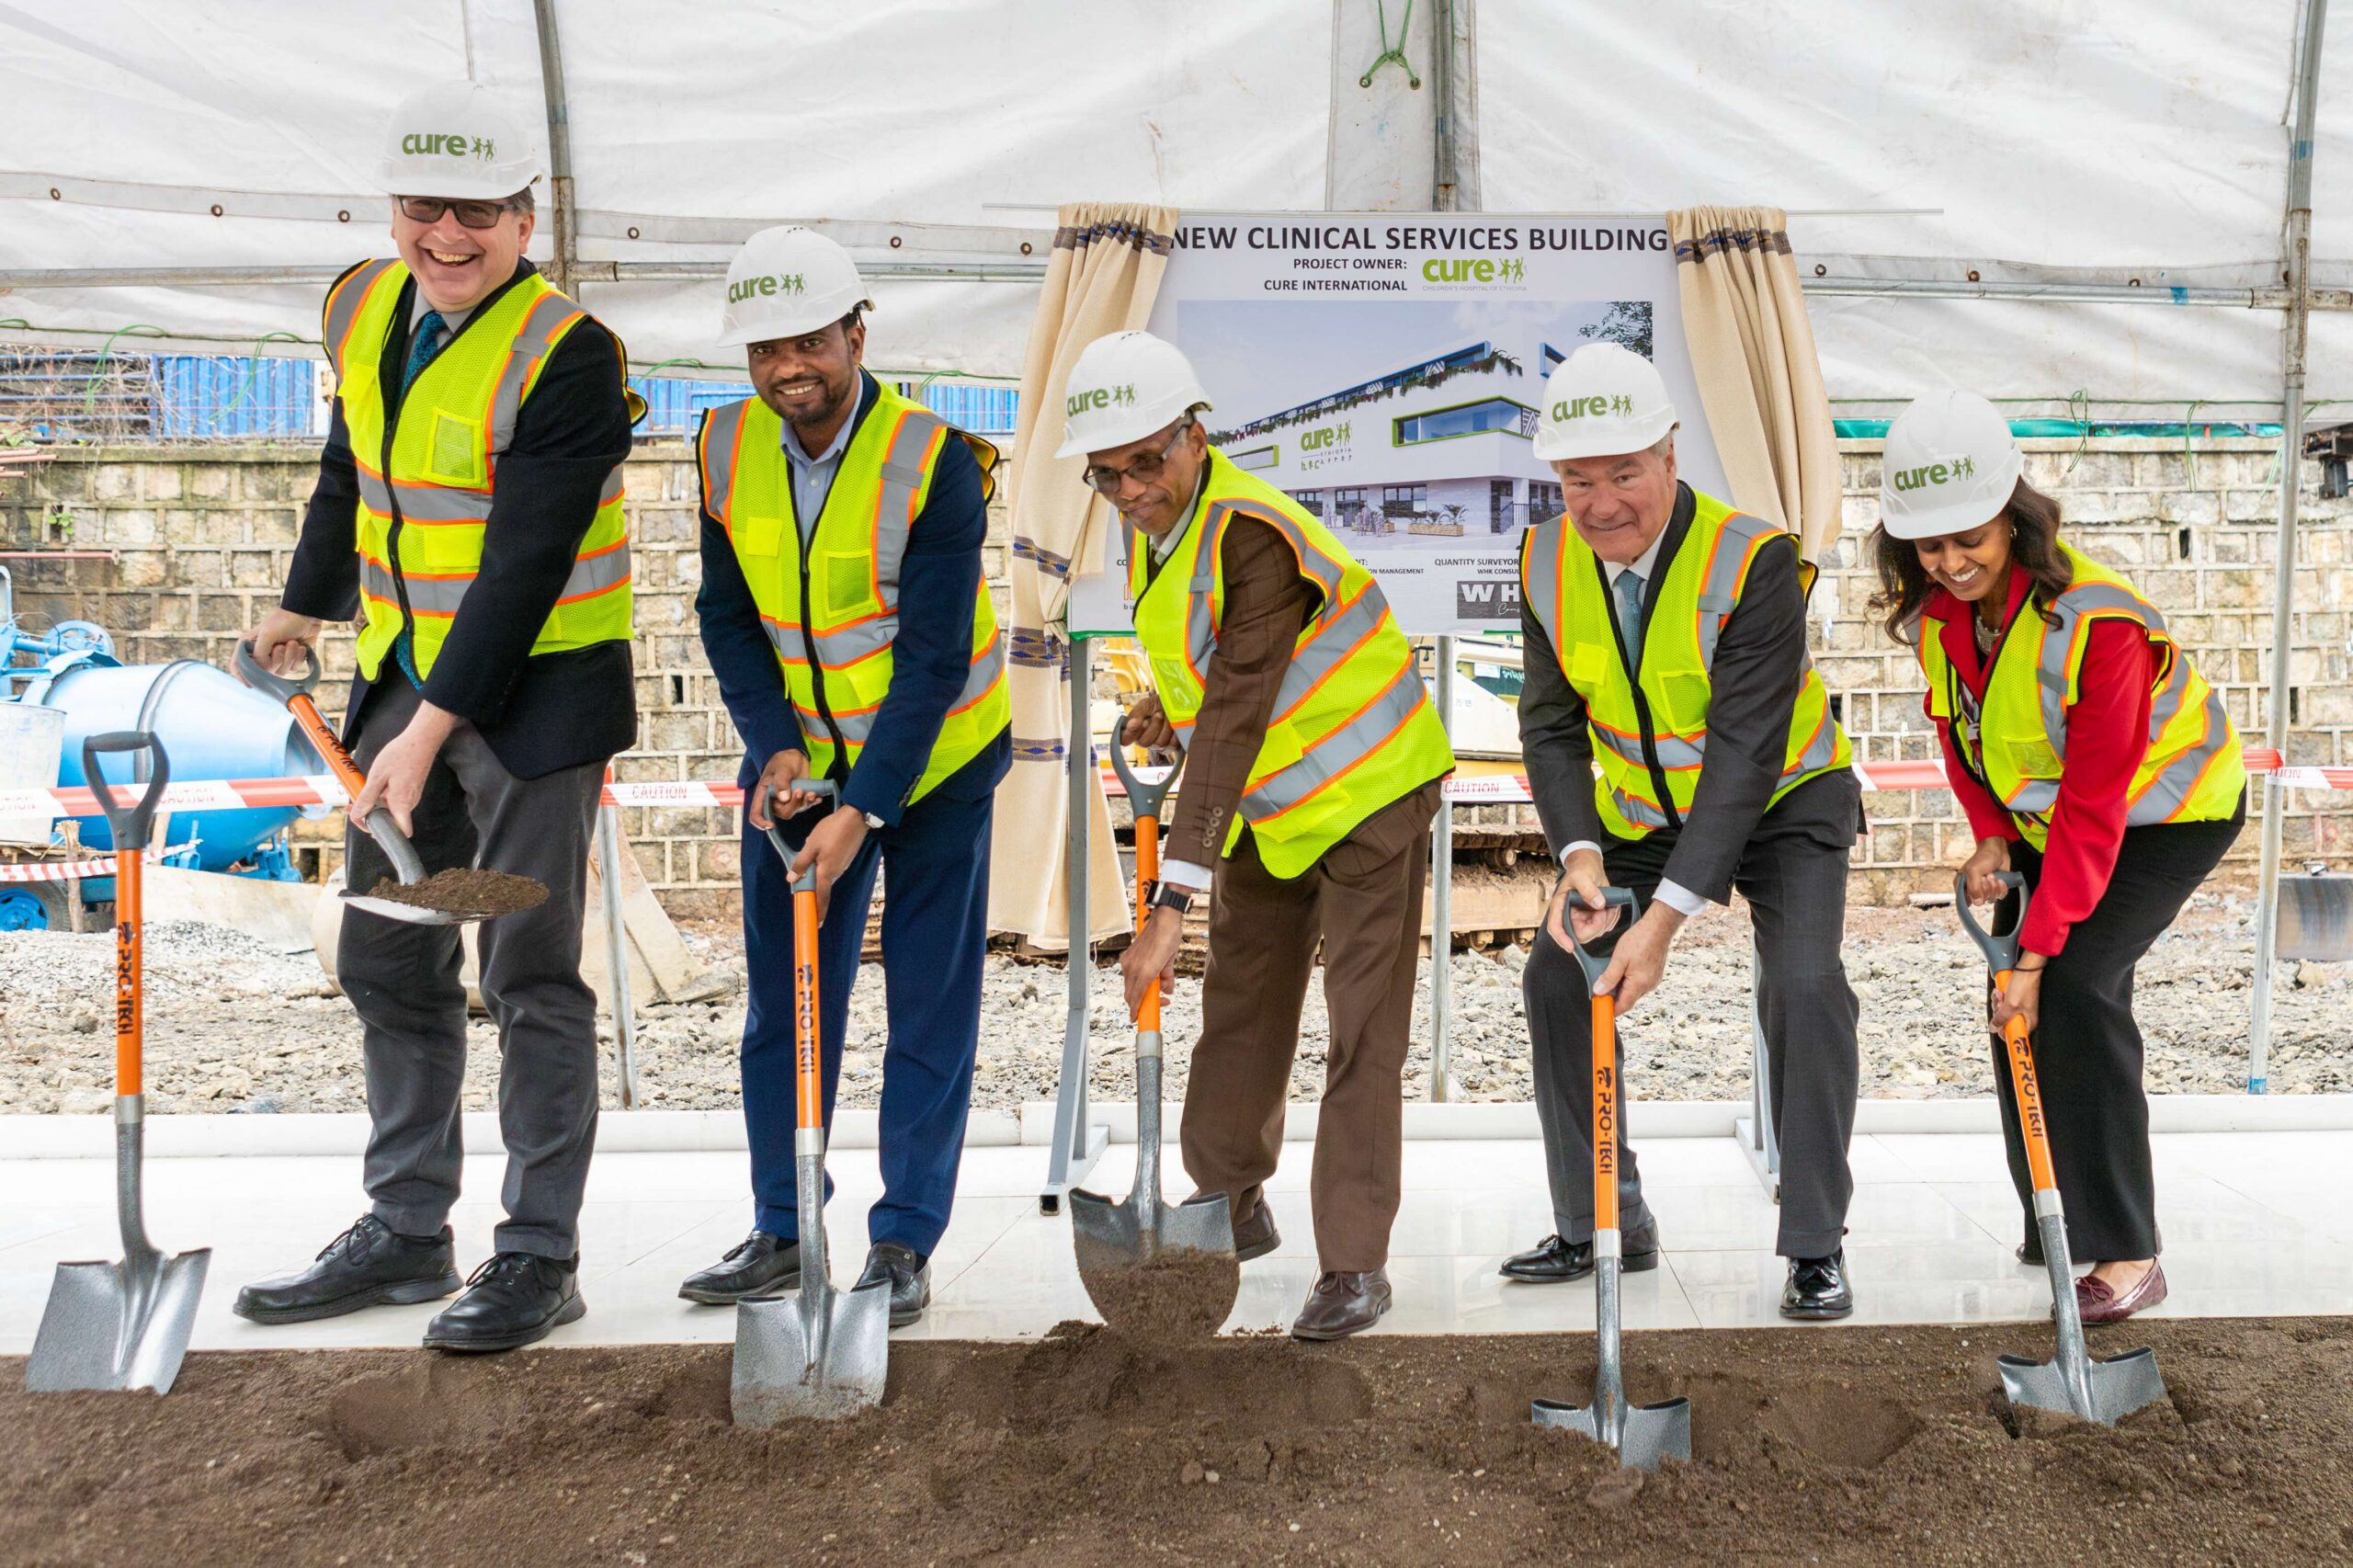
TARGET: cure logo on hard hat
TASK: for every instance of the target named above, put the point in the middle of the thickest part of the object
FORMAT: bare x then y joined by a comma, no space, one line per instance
764,284
456,143
1924,474
1578,407
1100,397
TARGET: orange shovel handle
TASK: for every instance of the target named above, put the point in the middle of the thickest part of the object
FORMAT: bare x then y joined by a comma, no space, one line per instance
313,725
2027,1091
808,1077
129,1012
1147,872
1605,1113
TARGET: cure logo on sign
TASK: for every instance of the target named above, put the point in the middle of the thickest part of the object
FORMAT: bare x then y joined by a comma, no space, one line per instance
1324,439
765,284
1079,402
1924,474
1474,269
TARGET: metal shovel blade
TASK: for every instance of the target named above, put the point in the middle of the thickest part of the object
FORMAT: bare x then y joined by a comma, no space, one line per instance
2109,1391
408,914
1646,1433
819,1354
117,1325
1120,1247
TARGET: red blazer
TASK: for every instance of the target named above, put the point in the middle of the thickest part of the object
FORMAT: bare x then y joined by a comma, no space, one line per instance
2108,734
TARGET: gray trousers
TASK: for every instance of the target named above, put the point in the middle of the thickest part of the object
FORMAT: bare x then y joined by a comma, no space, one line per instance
404,981
1796,886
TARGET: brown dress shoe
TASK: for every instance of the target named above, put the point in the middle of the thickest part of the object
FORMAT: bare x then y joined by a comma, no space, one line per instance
2097,1302
1343,1304
1255,1236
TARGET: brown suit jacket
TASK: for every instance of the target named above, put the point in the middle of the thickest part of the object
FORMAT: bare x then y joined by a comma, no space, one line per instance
1268,605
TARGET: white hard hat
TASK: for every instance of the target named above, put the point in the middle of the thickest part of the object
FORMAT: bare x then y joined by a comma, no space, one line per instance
1601,401
1949,466
457,141
1123,388
786,281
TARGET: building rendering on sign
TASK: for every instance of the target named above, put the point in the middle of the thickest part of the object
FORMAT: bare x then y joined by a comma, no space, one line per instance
1433,450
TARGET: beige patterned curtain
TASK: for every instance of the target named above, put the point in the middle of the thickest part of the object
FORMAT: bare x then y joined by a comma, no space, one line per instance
1104,273
1752,351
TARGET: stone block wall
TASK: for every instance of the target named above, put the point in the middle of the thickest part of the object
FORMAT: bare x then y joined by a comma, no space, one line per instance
174,550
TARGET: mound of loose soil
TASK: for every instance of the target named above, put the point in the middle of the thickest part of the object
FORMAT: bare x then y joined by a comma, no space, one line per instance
474,894
1850,1446
1178,1298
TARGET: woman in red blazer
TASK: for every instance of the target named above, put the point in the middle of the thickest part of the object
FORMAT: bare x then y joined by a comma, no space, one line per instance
2091,757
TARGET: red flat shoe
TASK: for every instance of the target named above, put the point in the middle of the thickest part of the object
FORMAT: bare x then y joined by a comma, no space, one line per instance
2096,1301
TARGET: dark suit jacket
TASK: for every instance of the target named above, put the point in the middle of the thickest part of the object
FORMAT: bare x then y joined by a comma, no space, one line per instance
1760,663
538,713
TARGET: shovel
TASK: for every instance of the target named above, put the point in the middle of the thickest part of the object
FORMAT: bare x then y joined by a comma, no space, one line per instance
1641,1434
2071,1383
1114,1238
122,1325
824,1354
406,867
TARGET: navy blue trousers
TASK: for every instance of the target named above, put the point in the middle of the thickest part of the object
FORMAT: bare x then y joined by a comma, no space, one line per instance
935,928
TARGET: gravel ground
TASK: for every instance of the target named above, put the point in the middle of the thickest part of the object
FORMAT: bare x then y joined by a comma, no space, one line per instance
235,1026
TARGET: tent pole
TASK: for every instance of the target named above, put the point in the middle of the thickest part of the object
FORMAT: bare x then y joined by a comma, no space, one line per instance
559,265
2294,336
1076,1145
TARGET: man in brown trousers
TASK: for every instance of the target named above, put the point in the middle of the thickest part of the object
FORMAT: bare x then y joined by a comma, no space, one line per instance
1314,762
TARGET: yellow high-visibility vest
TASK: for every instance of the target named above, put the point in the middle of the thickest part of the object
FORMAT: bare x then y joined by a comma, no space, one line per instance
1565,583
2016,739
426,471
832,612
1353,729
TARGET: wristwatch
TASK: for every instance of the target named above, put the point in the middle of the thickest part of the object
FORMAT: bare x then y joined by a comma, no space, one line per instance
1166,897
874,823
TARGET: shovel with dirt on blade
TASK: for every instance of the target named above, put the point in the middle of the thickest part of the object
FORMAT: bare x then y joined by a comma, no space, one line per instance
821,1353
122,1325
1153,1269
445,898
1641,1435
2071,1384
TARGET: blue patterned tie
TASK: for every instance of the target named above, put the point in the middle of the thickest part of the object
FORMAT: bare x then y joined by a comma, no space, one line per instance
432,331
1628,589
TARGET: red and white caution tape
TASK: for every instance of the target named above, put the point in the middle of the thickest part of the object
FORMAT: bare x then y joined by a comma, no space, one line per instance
67,870
321,790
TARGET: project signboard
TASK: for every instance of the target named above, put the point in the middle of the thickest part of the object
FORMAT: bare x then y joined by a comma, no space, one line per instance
1387,371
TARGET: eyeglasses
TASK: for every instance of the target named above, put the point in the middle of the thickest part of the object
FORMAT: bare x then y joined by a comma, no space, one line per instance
1143,468
471,214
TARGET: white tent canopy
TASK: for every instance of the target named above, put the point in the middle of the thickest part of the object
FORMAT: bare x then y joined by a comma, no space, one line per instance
2096,142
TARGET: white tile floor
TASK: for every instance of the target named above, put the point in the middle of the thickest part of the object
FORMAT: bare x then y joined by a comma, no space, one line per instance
2255,1224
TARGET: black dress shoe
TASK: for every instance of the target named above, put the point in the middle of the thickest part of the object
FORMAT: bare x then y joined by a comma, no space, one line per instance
760,1265
2029,1251
370,1264
515,1299
1817,1289
1555,1262
909,1273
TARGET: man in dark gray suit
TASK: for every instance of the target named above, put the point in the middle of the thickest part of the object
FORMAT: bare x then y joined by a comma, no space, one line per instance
1679,743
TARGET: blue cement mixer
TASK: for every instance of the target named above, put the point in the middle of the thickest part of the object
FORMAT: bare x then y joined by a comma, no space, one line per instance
211,727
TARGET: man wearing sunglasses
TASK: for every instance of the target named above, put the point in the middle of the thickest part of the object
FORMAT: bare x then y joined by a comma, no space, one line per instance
1314,762
468,511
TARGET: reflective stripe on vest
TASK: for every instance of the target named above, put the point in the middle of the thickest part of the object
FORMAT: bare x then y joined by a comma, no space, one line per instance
420,529
879,490
2193,770
1352,728
1704,581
